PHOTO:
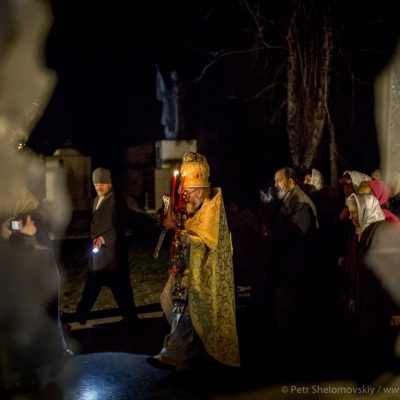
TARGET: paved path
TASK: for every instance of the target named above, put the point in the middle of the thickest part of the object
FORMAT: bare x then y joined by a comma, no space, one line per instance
116,376
109,364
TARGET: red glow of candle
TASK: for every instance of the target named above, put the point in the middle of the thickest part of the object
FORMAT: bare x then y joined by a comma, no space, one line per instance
181,193
173,189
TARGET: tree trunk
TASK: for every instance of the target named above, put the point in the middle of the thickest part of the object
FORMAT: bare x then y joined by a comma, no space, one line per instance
309,63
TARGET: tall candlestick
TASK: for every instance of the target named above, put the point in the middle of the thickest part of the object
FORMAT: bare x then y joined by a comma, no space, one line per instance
173,189
181,193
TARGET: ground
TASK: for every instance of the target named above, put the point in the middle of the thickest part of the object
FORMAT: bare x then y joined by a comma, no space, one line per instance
148,275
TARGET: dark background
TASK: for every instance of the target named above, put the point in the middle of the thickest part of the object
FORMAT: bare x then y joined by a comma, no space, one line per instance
105,56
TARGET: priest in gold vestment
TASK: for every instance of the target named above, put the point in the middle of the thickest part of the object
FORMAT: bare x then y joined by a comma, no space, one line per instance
206,324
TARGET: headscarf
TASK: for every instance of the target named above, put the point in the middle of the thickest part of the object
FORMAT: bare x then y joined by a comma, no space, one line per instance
357,177
317,179
369,210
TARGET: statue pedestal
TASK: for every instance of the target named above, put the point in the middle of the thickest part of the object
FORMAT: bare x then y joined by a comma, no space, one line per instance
169,152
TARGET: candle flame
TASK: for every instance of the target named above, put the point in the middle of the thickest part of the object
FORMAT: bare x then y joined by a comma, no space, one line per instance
176,172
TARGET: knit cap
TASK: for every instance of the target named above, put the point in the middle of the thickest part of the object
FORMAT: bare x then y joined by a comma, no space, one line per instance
101,175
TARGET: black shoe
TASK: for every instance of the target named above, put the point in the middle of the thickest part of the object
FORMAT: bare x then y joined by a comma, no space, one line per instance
154,362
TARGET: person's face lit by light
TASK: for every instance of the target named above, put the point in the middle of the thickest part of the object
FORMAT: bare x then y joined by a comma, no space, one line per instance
308,179
282,183
353,216
193,198
102,188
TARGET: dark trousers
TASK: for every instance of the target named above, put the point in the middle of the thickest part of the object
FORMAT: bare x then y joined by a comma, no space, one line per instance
119,283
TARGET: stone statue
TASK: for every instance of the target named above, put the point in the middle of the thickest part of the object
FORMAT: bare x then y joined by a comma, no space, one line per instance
169,92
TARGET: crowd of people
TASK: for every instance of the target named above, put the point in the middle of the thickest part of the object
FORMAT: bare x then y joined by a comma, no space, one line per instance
321,263
314,260
303,256
311,282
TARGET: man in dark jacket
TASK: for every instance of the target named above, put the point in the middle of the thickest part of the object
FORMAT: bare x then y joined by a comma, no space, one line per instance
293,243
109,260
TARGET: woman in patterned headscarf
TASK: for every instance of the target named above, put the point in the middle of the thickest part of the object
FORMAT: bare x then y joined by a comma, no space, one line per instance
314,178
350,182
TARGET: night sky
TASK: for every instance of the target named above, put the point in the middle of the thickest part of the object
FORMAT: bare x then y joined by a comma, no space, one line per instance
105,56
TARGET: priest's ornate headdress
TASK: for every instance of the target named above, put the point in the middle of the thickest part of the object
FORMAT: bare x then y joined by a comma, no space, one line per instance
195,170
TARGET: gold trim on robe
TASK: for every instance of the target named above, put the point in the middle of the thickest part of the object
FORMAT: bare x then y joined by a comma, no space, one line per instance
211,283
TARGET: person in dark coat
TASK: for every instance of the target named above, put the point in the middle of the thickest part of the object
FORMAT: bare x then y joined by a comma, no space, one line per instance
373,306
293,240
327,277
109,260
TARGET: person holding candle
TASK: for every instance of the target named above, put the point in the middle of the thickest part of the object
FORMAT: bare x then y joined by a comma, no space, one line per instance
205,328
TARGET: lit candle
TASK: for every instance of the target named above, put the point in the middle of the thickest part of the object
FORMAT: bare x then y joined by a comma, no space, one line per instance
181,193
176,172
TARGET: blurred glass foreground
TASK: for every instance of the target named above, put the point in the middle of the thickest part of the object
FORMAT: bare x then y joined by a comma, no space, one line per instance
30,334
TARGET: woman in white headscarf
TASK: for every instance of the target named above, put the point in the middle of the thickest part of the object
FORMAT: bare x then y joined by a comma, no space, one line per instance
314,178
371,304
364,210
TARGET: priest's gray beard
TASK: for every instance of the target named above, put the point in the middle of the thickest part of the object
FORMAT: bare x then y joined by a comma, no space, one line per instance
193,206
